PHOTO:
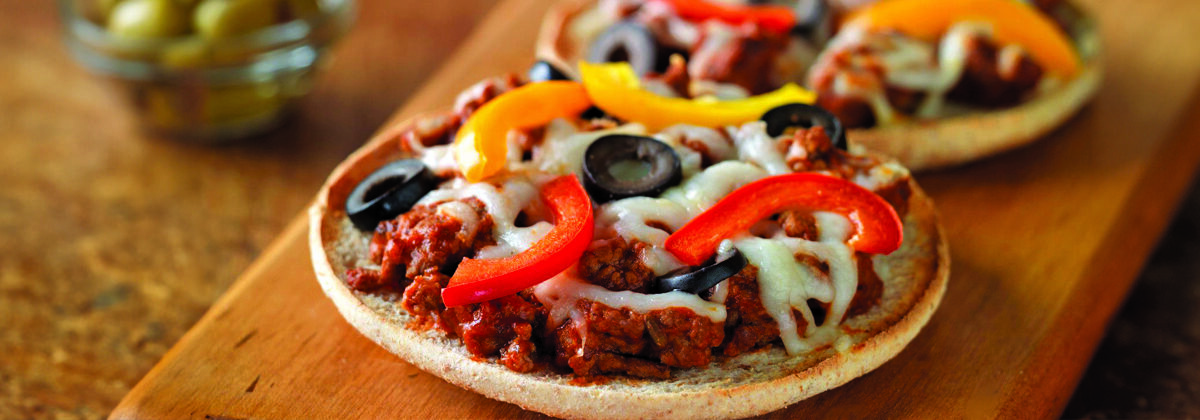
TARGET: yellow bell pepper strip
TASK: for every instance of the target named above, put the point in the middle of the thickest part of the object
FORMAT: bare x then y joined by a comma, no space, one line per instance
778,19
877,226
1013,22
476,281
481,145
615,88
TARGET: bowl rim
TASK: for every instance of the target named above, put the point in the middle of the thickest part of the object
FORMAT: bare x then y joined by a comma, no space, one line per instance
86,40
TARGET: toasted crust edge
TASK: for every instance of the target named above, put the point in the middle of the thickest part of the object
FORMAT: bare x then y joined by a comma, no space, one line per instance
552,43
920,145
445,357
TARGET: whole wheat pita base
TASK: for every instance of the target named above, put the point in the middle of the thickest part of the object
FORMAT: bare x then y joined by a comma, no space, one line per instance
915,279
921,144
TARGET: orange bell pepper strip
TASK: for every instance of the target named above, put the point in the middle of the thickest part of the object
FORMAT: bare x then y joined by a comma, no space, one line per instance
481,145
615,88
481,280
778,19
1013,22
877,226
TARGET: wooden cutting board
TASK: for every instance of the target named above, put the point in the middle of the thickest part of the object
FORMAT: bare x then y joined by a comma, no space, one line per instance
1046,241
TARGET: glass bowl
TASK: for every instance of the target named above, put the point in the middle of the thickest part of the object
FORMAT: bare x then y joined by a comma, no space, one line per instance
205,89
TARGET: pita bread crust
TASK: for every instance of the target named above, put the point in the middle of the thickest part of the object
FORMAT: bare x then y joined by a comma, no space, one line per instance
921,144
915,279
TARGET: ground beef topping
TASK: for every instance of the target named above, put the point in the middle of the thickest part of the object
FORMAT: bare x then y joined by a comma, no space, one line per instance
747,324
616,265
601,340
676,76
810,150
870,288
897,194
417,251
743,60
423,299
680,338
424,240
799,224
503,327
856,77
993,77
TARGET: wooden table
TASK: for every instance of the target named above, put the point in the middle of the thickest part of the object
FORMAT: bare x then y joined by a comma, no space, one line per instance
1046,242
115,243
99,276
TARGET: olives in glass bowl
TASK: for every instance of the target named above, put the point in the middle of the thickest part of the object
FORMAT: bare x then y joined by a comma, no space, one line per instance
206,70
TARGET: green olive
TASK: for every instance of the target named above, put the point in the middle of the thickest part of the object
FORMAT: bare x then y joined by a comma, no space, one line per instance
96,10
188,4
199,52
241,102
148,19
173,108
224,18
189,53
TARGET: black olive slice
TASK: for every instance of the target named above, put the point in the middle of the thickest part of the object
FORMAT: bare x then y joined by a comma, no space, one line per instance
620,165
781,117
388,192
704,278
592,113
543,71
630,42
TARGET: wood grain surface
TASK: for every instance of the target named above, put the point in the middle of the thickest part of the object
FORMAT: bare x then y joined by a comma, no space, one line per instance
115,243
1046,242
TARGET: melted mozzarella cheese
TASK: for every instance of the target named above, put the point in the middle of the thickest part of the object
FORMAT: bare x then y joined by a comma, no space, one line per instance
780,280
701,191
632,218
689,159
1008,58
439,159
718,38
952,60
659,88
561,293
562,150
716,146
755,146
786,285
881,176
461,211
504,204
720,292
907,63
699,88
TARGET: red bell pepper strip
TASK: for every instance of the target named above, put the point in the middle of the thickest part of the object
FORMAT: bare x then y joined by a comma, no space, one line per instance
877,227
778,19
482,280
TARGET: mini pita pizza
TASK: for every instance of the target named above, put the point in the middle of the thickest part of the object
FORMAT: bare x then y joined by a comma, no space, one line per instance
932,83
534,247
